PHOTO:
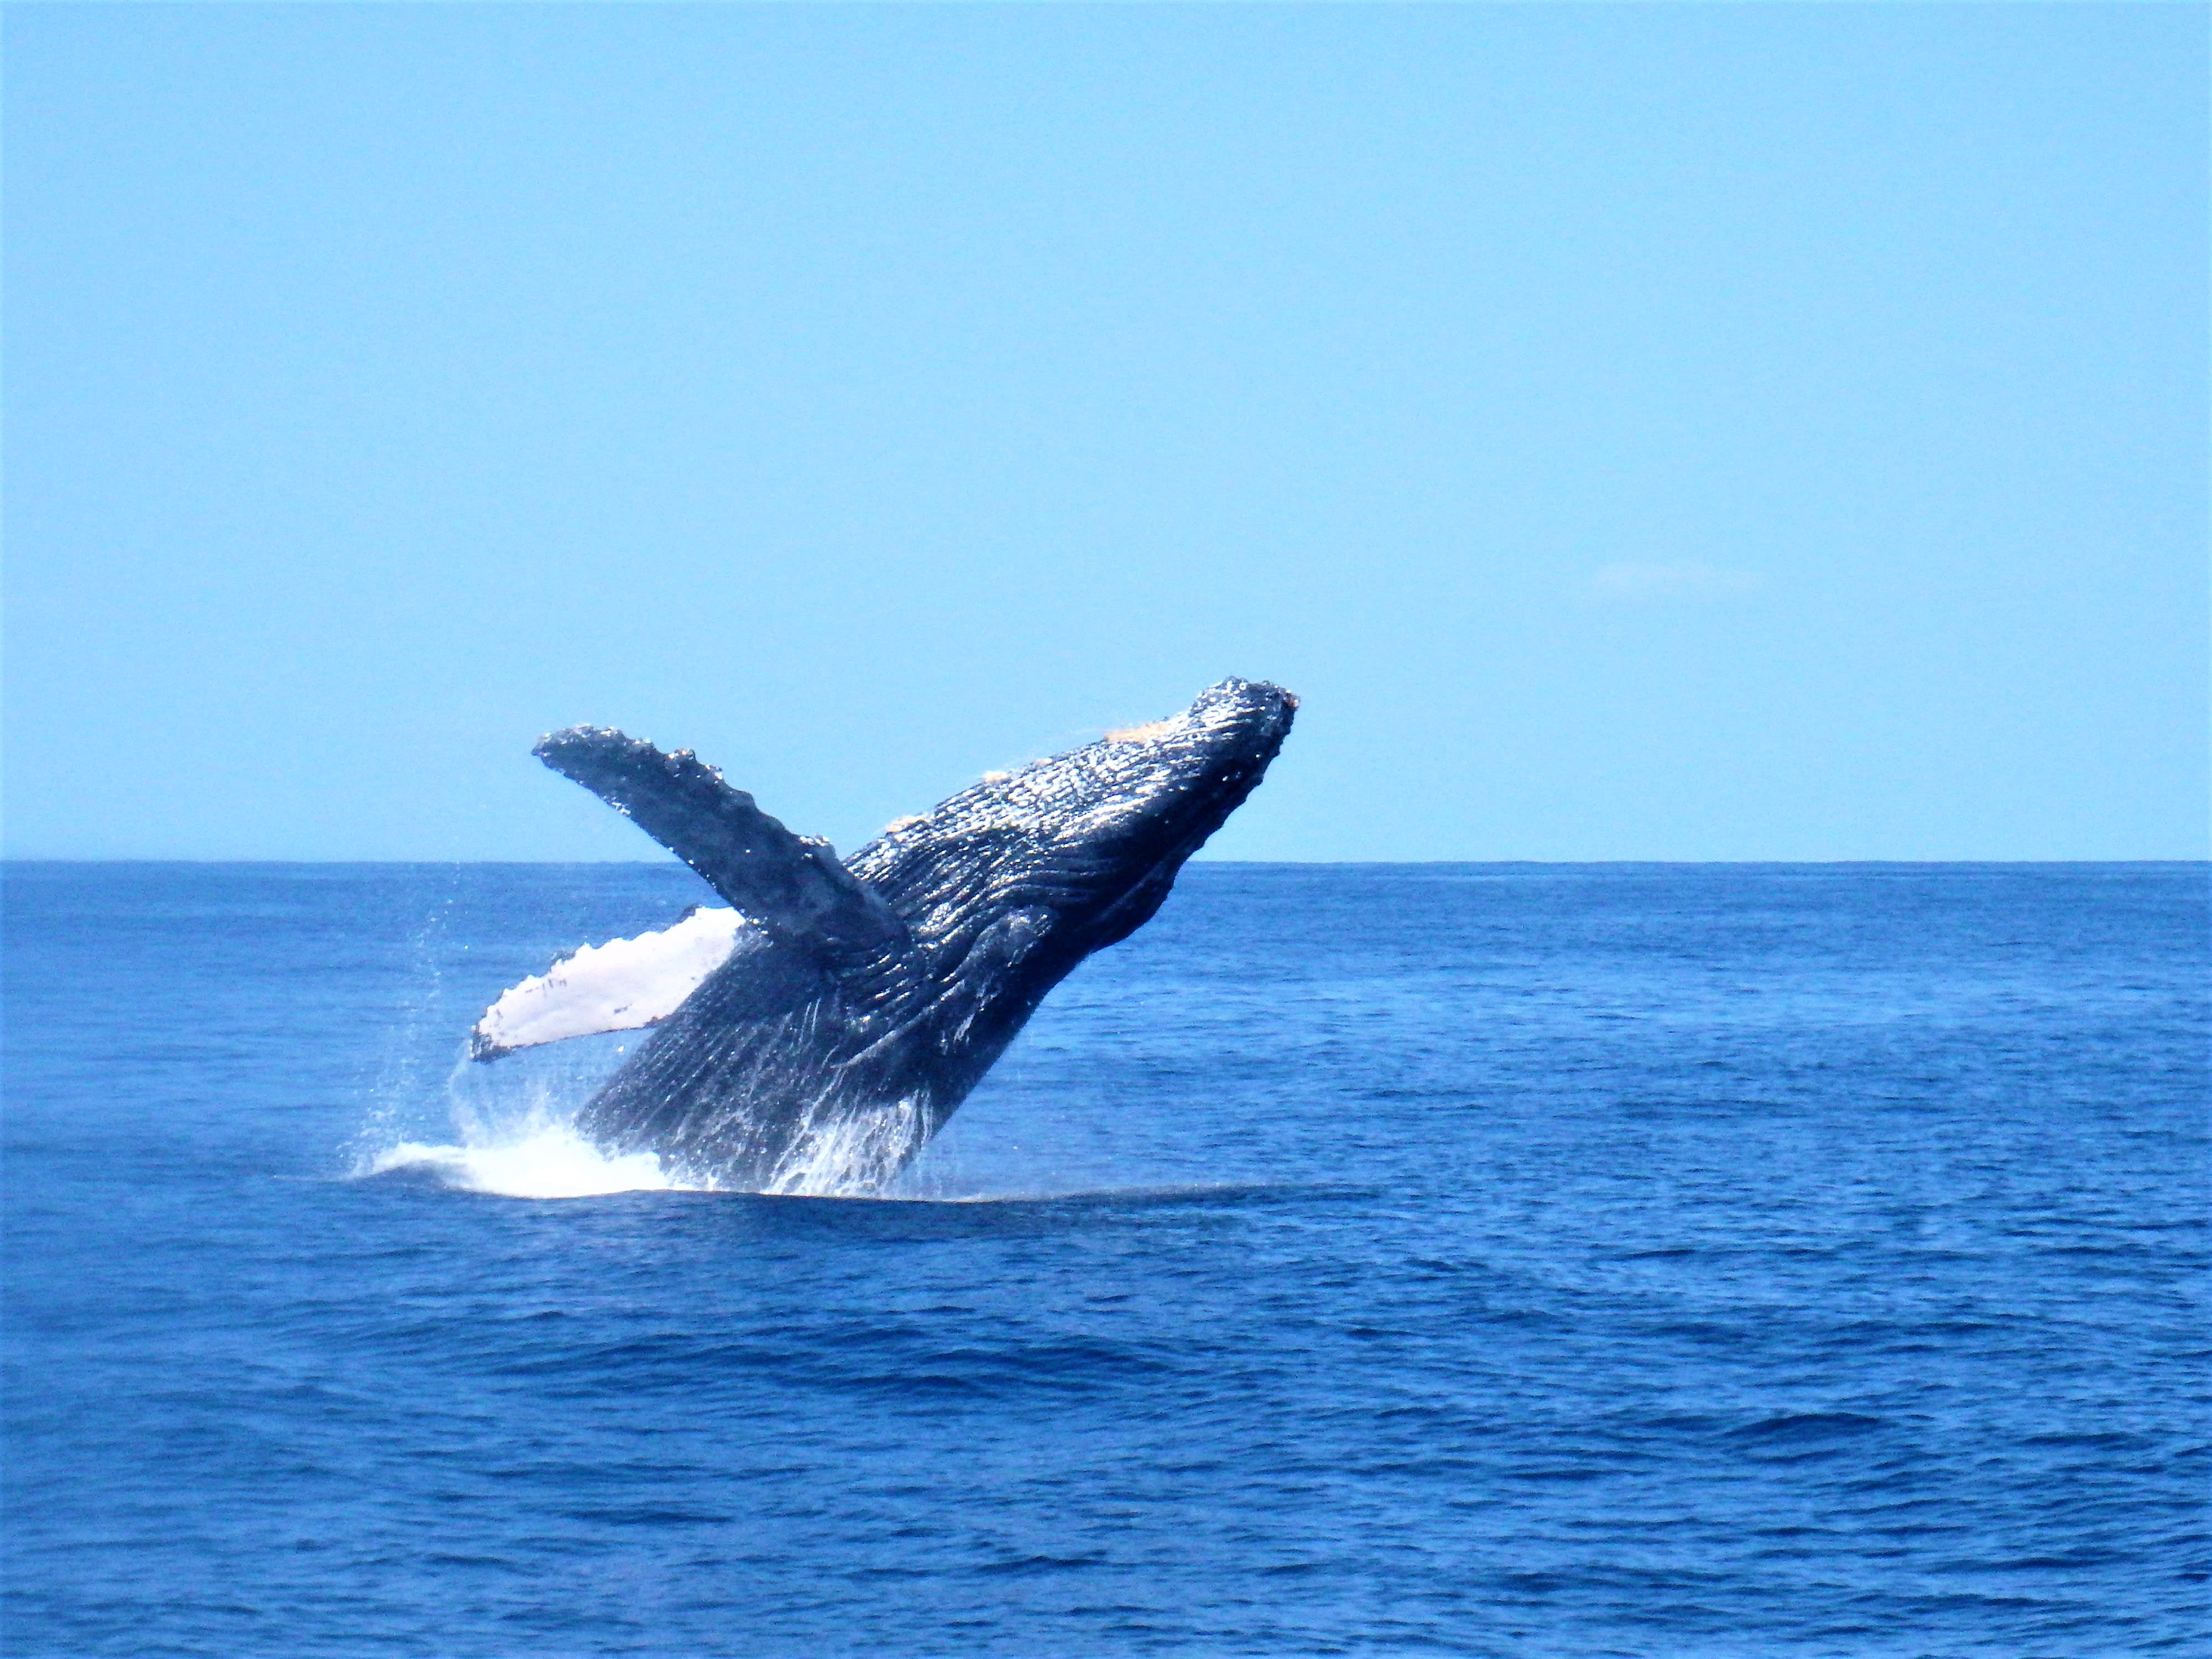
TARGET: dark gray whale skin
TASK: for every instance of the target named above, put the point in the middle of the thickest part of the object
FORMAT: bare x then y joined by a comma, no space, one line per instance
869,997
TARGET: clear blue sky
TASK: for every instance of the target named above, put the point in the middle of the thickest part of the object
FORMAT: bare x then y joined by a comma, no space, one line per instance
1702,433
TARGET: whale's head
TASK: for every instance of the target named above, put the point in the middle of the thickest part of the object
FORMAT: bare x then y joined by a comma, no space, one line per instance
1014,880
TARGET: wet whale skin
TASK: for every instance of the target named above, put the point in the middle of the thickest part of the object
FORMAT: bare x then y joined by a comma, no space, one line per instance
888,983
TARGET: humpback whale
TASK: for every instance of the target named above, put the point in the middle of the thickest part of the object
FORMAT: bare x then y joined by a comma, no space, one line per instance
835,1016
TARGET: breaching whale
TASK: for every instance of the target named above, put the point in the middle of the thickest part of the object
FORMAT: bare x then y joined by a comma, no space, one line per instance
831,1020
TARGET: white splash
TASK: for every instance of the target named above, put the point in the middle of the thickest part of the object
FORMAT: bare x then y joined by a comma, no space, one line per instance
550,1161
513,1133
623,985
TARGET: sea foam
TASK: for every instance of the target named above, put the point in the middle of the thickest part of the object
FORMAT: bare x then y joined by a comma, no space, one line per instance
548,1160
513,1133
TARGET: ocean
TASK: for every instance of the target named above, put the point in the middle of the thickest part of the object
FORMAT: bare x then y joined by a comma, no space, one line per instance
1515,1260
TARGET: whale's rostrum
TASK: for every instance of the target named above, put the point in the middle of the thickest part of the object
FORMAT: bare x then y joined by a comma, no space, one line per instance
860,1001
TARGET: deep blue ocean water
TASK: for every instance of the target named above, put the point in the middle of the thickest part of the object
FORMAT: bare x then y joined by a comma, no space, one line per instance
1493,1260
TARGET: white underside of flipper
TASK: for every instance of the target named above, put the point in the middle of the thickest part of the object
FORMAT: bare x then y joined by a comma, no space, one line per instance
623,985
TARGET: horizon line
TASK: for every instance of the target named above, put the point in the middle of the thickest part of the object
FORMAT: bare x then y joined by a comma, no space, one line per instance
7,859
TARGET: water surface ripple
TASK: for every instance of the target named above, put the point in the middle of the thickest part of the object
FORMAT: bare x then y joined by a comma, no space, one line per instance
1482,1259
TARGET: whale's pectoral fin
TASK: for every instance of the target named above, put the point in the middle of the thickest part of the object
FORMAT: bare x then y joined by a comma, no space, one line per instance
624,984
790,886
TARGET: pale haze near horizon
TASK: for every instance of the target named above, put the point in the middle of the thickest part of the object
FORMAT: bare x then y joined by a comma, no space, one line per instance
1699,433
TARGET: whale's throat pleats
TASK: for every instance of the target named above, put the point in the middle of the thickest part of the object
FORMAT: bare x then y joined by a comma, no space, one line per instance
791,887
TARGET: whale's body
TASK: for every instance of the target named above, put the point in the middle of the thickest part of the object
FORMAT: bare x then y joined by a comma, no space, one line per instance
860,1001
